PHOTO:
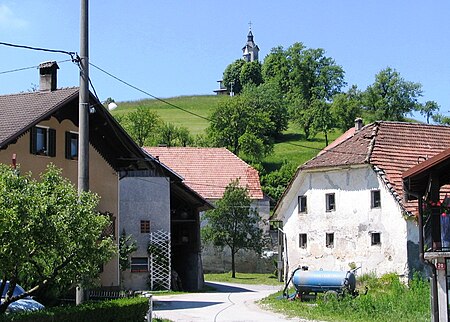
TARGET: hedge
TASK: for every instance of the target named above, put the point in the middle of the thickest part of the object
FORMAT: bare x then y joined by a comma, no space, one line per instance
127,309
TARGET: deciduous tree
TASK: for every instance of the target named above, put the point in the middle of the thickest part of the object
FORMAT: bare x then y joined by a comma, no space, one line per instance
234,223
48,233
306,76
241,128
390,97
428,109
142,125
346,107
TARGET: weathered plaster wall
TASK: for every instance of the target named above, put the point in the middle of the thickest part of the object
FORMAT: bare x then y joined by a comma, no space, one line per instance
102,178
352,223
143,198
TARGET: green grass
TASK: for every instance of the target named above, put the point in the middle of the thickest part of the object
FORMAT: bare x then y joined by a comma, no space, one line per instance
291,146
244,278
201,105
387,300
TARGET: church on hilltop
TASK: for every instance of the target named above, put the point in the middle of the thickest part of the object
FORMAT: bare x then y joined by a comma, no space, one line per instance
250,50
249,53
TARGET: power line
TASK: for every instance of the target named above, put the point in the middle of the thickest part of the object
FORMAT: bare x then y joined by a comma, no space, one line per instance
147,93
30,67
72,54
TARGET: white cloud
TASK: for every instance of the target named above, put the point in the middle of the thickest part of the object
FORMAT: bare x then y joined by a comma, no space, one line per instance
8,20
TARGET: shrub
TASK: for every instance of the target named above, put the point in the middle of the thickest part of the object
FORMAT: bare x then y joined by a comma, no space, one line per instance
128,309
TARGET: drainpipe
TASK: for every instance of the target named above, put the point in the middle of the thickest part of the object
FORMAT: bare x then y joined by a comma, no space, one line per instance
434,295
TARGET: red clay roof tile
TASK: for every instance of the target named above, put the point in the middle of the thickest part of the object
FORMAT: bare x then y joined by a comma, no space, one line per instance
391,147
209,170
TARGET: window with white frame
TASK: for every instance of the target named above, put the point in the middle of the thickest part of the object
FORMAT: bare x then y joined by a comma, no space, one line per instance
302,240
43,141
302,207
330,202
329,240
375,199
139,264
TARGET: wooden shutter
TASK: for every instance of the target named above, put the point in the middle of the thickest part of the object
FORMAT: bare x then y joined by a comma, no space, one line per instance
68,146
33,140
51,142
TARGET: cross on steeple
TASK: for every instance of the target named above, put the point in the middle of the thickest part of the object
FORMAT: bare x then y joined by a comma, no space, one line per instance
250,25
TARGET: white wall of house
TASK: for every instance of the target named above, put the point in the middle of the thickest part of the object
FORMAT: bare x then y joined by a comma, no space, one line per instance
353,222
142,198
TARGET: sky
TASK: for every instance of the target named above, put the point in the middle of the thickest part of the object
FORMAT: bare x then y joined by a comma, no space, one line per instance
181,47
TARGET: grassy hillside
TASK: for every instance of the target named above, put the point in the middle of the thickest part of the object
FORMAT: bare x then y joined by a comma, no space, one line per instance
292,146
200,105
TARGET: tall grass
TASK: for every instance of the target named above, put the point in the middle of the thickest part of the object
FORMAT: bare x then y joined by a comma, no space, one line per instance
387,300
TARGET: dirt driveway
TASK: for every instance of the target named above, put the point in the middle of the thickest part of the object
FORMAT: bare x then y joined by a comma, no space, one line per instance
230,302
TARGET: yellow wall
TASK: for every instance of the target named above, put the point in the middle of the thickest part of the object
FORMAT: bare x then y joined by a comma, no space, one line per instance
103,179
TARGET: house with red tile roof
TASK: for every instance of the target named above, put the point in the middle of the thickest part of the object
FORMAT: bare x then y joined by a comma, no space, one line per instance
41,127
346,206
208,171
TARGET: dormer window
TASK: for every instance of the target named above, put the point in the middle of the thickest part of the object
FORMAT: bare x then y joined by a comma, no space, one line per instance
43,141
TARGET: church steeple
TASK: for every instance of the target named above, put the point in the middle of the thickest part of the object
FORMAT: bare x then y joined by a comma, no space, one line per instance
250,50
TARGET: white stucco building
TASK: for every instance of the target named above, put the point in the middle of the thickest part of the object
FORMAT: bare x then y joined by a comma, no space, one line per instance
345,207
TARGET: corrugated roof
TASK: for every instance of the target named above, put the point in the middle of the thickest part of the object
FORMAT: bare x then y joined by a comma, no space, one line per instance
391,147
20,111
209,170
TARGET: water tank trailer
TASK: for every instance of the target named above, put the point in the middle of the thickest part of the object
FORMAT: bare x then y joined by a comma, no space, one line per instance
308,283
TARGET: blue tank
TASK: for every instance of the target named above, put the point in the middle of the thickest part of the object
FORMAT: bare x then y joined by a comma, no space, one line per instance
323,281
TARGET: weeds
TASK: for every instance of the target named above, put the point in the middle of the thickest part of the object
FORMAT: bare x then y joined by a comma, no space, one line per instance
387,300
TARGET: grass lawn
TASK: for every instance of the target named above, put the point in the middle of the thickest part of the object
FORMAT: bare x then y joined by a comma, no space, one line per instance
244,278
387,300
201,105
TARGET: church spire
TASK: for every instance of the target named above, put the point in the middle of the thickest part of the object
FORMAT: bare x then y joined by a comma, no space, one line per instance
250,50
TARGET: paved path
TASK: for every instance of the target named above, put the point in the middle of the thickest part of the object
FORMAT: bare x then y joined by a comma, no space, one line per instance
229,303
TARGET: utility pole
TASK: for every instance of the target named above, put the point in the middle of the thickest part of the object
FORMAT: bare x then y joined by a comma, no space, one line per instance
83,114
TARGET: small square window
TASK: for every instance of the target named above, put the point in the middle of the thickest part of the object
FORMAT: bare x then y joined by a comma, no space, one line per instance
139,264
302,240
375,199
43,141
330,202
145,226
302,204
329,240
375,239
71,146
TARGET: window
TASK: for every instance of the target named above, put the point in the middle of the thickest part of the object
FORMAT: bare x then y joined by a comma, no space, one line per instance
302,240
139,264
330,202
43,141
329,240
302,204
375,199
71,146
145,226
375,239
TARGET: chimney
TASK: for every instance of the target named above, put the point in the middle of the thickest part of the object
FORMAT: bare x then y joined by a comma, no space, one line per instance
358,124
47,73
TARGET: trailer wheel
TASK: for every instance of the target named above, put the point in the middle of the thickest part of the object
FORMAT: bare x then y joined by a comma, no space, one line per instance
330,296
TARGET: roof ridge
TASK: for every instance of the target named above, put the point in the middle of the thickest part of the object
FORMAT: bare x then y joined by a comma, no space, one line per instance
371,145
37,92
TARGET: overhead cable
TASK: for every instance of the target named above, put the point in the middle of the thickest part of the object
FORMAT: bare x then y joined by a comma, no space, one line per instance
147,93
